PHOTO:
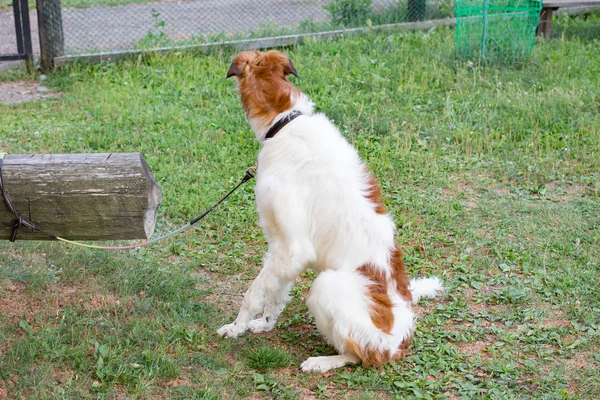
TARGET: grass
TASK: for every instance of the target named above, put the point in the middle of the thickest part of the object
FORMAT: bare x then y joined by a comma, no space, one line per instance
491,175
265,358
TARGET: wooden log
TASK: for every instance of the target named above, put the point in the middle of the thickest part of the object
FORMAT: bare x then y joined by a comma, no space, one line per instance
80,196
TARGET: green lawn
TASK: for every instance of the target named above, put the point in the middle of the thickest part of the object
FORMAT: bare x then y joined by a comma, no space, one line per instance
492,175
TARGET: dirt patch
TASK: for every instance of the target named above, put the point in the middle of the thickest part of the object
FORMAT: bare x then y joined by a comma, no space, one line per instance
422,309
472,348
555,319
24,91
305,393
98,301
228,291
477,308
581,361
501,191
87,296
464,191
177,382
62,377
556,322
3,390
16,302
561,193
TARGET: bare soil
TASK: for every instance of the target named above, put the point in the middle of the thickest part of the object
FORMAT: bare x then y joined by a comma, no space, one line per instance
23,92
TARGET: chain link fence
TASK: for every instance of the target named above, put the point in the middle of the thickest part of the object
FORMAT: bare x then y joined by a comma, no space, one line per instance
8,45
91,26
101,28
107,29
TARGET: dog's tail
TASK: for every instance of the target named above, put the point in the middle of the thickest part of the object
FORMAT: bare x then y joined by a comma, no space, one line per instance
425,287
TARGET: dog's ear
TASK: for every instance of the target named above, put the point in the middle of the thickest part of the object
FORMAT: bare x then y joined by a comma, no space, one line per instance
289,68
281,61
235,69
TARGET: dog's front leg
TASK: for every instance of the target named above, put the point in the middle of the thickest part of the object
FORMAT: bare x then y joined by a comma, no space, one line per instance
268,292
274,305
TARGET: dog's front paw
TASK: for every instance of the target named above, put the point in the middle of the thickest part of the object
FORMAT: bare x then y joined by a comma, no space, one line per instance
260,325
230,330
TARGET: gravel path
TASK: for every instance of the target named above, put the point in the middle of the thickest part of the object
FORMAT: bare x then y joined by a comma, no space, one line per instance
121,27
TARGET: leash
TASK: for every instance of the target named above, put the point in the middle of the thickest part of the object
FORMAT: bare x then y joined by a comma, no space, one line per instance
22,222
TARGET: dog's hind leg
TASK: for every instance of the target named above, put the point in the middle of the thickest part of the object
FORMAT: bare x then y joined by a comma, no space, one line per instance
341,304
325,363
339,307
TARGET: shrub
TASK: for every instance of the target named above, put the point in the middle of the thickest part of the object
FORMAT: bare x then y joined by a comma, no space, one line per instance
349,12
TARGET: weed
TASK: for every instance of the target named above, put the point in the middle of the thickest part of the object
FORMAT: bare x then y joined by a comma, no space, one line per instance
265,358
349,12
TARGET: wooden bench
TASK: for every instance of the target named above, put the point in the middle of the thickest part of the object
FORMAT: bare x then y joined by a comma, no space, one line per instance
548,8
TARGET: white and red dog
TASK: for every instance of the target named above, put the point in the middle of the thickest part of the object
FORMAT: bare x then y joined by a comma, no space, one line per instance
320,208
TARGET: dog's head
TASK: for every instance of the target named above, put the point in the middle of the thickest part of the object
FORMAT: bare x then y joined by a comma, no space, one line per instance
263,84
272,64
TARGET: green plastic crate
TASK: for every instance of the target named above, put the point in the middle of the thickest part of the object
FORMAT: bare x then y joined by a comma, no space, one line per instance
500,31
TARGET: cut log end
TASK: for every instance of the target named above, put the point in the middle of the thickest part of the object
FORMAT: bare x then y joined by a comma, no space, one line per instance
154,200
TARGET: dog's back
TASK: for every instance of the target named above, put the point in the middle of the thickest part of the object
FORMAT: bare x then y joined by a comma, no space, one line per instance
309,169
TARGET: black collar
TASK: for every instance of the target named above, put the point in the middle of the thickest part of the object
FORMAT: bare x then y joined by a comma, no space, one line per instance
281,123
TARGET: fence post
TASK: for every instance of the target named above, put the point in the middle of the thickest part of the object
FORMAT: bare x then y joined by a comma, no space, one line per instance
52,39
